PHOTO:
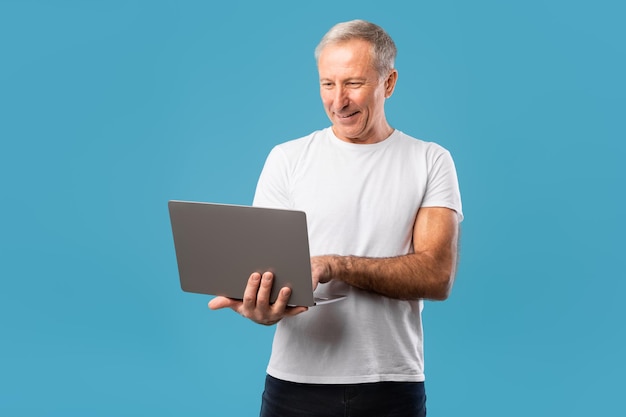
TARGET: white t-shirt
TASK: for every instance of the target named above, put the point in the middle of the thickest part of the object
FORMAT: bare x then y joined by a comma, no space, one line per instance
362,200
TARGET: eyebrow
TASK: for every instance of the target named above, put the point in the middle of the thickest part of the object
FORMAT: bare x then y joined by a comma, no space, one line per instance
351,79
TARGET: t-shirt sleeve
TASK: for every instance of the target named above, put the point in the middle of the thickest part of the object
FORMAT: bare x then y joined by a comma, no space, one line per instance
443,187
272,188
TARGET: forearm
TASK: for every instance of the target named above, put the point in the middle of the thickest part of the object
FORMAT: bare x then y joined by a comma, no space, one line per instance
408,277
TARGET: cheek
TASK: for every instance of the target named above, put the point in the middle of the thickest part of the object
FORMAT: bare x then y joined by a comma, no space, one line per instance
359,99
326,98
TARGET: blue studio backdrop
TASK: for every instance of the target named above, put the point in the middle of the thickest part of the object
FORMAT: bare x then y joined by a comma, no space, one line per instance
110,109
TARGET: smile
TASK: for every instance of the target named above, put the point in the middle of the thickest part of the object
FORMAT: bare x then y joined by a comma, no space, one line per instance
347,116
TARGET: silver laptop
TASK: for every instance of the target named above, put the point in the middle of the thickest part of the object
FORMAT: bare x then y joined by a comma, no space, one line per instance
218,246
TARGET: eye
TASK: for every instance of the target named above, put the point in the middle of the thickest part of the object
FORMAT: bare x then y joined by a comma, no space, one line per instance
354,84
326,84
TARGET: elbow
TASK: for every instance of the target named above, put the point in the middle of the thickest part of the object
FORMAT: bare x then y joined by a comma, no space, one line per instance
443,280
442,287
441,294
438,288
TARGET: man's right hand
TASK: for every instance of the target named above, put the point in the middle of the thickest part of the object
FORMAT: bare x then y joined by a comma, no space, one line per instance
256,301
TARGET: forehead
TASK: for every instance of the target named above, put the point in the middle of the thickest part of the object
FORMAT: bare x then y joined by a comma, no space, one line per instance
353,56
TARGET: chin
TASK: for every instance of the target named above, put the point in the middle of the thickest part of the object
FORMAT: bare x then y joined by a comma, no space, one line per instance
348,133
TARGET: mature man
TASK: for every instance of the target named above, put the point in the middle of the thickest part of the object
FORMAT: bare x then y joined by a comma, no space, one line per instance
383,213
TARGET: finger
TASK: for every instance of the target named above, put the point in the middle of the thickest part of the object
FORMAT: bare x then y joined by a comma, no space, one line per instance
315,272
292,311
281,301
320,269
281,304
223,302
250,293
265,291
281,307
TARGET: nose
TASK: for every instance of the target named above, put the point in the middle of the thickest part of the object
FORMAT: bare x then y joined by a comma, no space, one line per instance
340,99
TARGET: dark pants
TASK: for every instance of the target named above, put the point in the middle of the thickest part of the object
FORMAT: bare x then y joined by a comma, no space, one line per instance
380,399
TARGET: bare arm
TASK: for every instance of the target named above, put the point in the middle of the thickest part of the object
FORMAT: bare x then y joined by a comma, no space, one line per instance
427,273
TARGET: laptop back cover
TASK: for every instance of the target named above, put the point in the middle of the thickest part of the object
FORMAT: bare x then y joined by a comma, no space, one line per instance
218,246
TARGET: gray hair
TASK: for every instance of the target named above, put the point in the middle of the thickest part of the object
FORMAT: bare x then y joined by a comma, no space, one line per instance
383,48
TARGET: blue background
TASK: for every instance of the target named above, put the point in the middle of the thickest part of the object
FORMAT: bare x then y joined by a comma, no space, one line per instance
109,109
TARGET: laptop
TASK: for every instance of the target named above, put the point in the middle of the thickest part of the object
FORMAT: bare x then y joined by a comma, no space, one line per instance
218,247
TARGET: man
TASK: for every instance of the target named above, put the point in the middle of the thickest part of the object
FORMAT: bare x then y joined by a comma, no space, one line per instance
383,214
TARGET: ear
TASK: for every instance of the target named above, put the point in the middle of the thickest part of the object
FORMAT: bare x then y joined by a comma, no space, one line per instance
390,83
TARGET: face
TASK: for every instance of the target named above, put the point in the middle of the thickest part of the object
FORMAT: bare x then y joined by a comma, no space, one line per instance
353,92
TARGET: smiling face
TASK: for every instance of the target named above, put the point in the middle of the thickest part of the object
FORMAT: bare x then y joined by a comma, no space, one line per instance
353,93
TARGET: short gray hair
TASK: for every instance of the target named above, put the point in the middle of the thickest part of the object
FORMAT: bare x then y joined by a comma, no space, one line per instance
383,48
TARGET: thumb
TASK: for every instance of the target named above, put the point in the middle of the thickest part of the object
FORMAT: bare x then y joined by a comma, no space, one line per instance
220,302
